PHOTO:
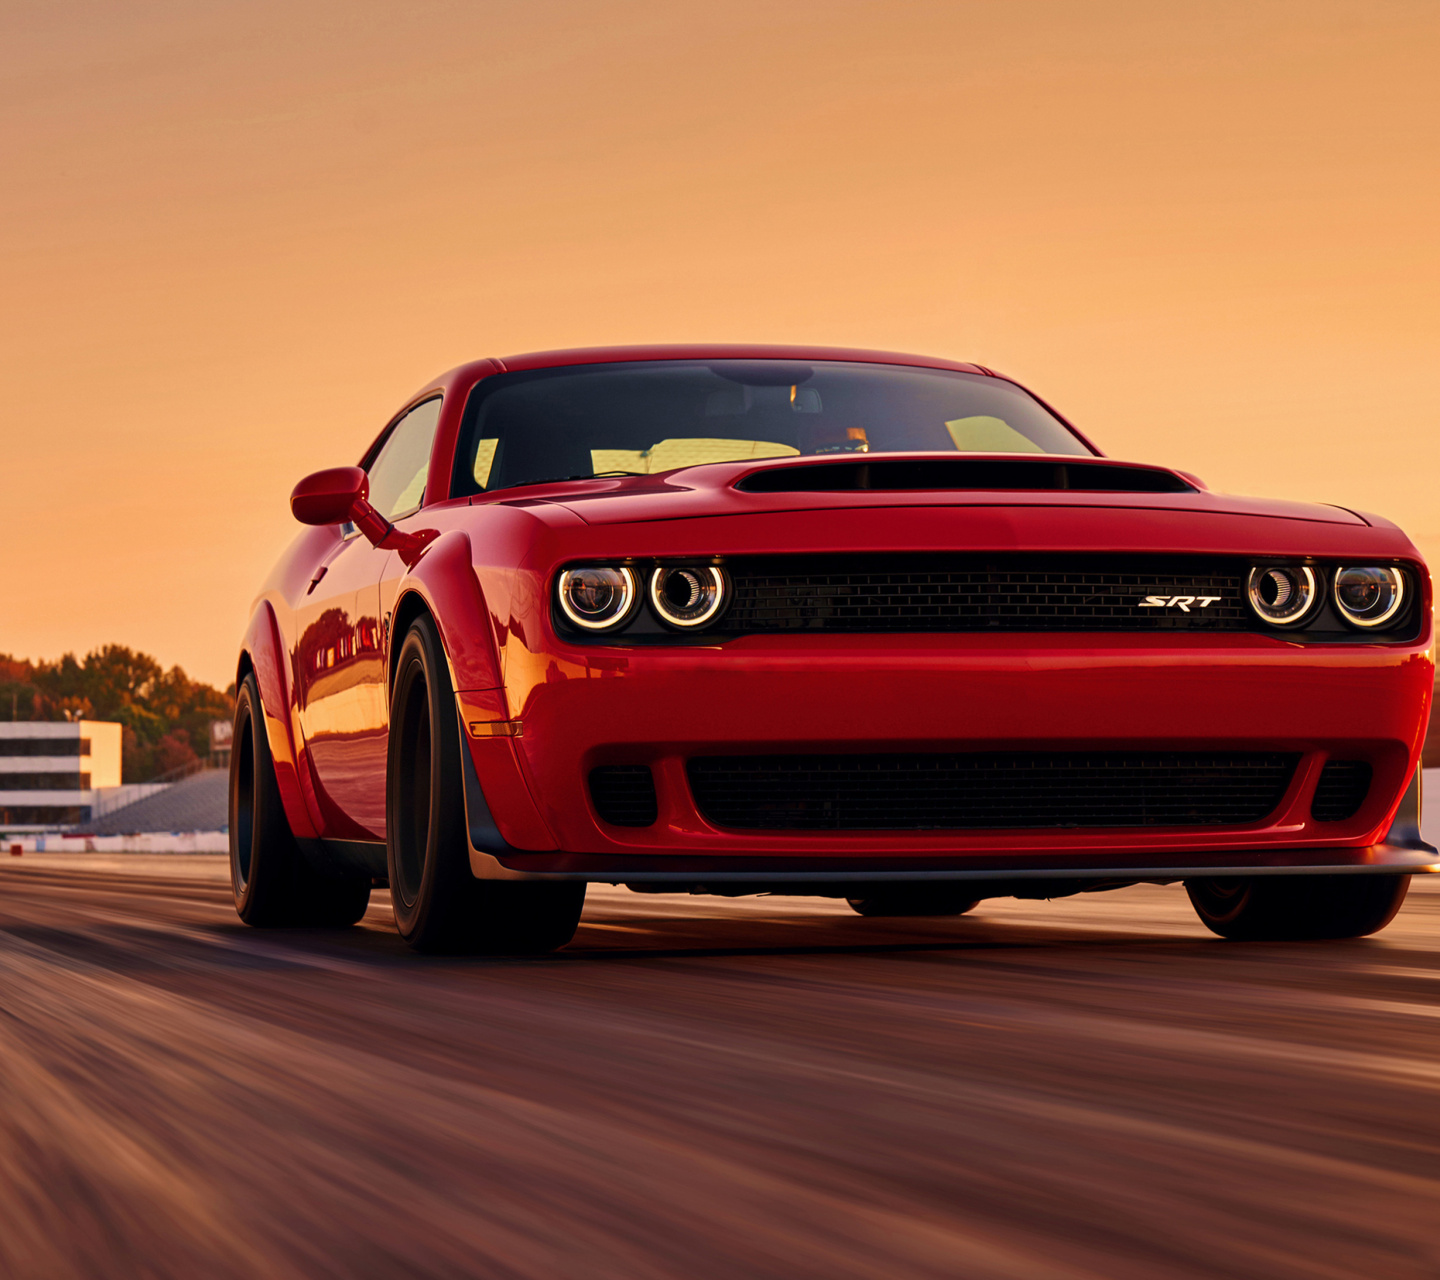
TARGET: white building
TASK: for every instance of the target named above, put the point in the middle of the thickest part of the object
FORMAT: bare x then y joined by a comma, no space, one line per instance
50,772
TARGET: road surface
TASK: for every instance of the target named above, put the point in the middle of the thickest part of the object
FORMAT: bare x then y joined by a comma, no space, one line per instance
1092,1088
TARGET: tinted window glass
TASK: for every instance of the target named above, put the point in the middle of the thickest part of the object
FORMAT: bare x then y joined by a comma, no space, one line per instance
585,420
44,747
397,476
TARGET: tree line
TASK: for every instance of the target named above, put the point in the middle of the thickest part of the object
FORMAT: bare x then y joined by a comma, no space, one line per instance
165,715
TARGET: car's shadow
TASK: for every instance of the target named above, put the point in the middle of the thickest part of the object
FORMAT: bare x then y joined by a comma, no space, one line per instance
152,925
204,934
679,937
376,948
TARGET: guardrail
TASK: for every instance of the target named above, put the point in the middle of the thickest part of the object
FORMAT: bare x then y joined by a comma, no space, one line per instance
176,775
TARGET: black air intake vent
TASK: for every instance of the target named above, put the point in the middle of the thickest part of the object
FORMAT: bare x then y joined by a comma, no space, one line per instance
1341,791
624,794
1009,789
963,473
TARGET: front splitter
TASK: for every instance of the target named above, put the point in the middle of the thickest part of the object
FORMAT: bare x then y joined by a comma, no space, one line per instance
1403,852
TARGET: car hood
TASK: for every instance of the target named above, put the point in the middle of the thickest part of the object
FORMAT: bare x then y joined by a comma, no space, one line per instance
1006,481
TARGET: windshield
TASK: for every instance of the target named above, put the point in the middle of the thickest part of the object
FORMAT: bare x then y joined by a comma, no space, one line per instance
646,417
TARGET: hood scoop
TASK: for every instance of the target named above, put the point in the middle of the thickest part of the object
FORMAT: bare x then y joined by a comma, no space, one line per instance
963,473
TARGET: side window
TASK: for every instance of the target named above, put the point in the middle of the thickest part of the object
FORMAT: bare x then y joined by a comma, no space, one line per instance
397,476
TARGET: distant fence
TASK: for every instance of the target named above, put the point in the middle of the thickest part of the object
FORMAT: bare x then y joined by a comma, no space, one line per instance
108,799
175,775
153,842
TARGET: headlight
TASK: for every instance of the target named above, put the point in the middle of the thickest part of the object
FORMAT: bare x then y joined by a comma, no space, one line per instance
687,597
597,597
1283,595
1368,596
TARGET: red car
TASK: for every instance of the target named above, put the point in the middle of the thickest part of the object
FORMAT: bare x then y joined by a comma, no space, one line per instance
737,620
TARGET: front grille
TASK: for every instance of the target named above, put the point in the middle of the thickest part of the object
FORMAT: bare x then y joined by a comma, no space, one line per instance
985,593
934,791
624,794
1341,791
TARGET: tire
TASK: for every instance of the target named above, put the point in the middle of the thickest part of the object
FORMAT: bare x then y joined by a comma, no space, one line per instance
1295,908
273,884
930,900
440,906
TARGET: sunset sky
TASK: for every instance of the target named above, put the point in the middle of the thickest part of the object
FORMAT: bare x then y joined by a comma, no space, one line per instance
234,236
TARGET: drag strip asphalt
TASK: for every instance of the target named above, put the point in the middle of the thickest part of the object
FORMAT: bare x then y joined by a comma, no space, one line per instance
1091,1088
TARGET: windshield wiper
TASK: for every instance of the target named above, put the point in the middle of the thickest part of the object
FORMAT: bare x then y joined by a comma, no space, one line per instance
589,475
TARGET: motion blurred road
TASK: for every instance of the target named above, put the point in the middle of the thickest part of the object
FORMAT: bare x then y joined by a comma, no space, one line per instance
700,1088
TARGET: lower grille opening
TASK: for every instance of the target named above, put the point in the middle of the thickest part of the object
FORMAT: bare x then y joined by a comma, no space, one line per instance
1003,789
1341,791
624,794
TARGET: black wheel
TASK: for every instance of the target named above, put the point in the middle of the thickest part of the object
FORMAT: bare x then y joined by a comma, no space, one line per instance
439,905
915,900
1280,908
273,883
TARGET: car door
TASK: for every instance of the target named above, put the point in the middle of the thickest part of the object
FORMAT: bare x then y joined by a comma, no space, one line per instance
340,657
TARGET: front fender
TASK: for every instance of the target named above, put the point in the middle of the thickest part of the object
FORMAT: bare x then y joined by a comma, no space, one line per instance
442,581
266,654
443,578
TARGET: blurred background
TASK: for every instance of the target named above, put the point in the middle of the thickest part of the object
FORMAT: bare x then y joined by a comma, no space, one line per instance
234,236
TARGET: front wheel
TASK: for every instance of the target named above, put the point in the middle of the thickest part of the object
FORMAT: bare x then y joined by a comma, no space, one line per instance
439,904
1294,908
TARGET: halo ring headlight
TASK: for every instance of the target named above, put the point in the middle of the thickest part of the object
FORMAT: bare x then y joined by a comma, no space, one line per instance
1368,595
597,597
1283,595
687,596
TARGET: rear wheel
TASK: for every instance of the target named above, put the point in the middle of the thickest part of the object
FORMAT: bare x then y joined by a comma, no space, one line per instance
272,882
439,904
1297,907
914,900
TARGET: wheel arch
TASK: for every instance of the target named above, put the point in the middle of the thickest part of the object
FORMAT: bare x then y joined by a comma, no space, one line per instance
263,656
411,605
443,585
448,592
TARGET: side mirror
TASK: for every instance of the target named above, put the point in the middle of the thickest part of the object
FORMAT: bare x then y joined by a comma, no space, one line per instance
343,493
329,497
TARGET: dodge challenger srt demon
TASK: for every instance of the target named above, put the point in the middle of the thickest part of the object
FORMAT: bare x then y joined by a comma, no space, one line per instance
789,620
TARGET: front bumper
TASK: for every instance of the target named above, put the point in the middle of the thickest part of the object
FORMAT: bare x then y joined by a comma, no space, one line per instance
584,707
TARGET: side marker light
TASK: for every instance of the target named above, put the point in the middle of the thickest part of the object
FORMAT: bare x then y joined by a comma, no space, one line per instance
497,728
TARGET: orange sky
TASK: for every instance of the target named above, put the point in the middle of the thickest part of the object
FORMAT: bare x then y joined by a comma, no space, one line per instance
234,236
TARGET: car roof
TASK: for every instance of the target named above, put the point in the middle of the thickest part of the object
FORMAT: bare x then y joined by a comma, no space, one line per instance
723,351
